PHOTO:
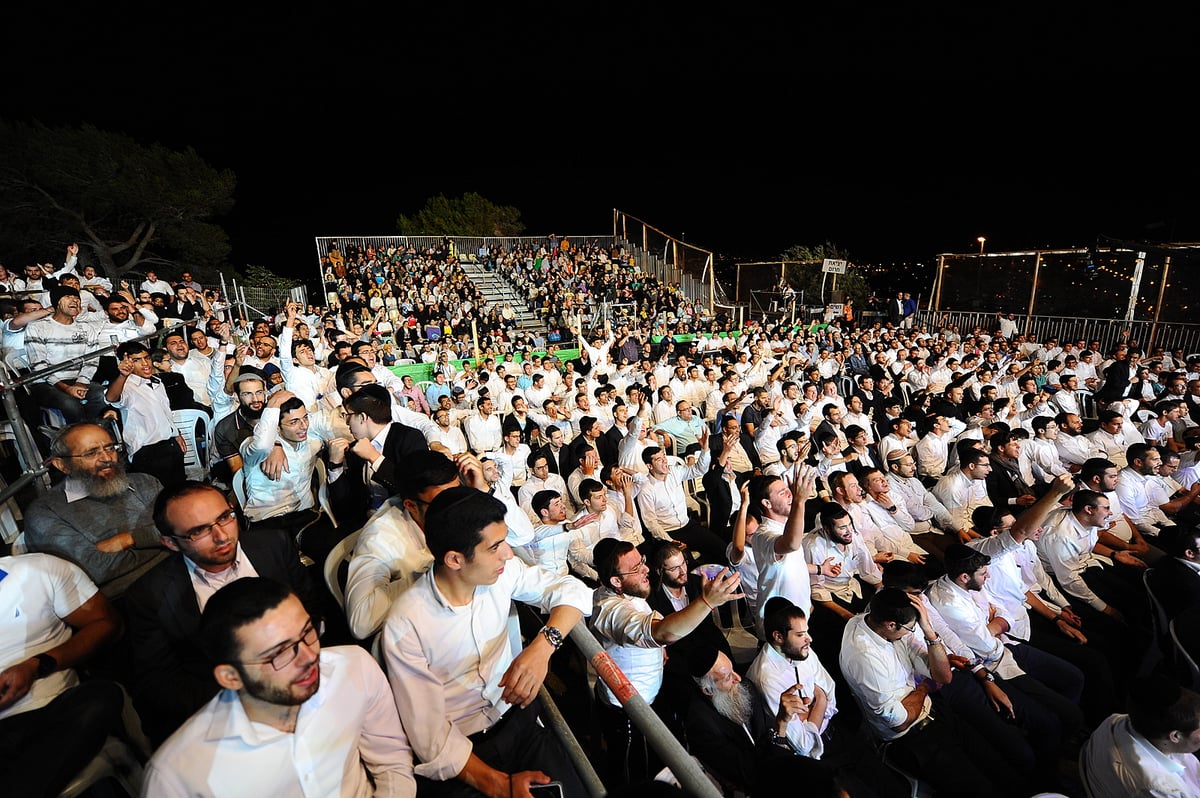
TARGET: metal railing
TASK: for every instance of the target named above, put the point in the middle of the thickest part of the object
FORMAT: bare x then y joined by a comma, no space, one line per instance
1109,332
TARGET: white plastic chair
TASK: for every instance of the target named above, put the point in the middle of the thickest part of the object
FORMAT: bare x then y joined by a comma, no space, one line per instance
196,428
342,552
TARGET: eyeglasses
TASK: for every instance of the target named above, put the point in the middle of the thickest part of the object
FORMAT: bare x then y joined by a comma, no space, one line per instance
199,533
308,636
639,568
92,454
912,629
303,421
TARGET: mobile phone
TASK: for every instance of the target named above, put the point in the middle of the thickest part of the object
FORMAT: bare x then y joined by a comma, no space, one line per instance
552,790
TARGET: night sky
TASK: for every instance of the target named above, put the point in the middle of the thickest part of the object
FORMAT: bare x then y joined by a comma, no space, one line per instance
895,134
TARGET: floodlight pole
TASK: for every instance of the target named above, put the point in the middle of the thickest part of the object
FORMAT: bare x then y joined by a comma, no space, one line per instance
1037,266
1162,289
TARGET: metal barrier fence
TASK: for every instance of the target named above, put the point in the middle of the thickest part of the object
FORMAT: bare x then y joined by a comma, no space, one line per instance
1108,332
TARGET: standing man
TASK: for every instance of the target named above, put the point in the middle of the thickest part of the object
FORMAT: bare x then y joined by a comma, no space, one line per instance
291,719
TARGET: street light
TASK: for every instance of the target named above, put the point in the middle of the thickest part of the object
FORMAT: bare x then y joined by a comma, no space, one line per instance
981,240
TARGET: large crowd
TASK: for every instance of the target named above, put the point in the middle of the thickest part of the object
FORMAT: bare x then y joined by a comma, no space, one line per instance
821,554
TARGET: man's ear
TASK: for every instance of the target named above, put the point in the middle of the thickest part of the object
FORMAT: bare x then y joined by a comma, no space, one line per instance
228,676
169,542
61,464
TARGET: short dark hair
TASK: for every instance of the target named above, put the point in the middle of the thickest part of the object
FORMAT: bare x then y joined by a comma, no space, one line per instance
455,521
778,614
167,495
235,605
606,563
904,575
288,405
649,452
1084,498
424,469
1137,451
1159,706
961,559
890,604
131,348
347,375
542,499
1094,467
589,486
373,400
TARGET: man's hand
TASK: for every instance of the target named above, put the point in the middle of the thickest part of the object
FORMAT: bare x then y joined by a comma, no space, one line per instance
279,397
1070,631
275,464
1026,500
583,520
116,544
831,568
916,557
364,449
470,471
966,535
1114,613
1126,557
999,700
525,675
76,390
793,704
337,450
1070,616
15,682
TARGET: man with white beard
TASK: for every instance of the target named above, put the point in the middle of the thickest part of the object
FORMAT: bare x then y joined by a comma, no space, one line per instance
99,517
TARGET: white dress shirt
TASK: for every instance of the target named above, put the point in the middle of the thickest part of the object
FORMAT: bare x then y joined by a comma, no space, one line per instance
1117,762
1066,552
881,673
389,556
966,611
347,729
145,413
624,626
663,502
445,662
960,495
785,576
773,673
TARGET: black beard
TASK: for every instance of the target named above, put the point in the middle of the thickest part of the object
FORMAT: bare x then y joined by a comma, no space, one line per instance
249,413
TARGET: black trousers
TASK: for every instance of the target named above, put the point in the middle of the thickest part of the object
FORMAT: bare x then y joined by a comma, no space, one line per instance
517,742
163,460
45,748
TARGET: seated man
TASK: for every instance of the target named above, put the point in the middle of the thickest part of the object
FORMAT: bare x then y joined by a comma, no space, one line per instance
51,724
732,732
469,702
152,441
99,517
171,676
390,553
889,671
1150,751
291,718
634,634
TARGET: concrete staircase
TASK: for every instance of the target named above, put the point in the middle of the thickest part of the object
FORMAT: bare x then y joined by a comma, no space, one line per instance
498,291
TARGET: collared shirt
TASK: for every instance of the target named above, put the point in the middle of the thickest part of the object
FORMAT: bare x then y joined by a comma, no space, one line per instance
932,452
347,729
1066,551
961,495
773,673
1134,489
196,369
663,502
483,434
293,490
967,613
451,438
584,538
1117,762
205,583
145,413
48,342
534,486
857,563
881,673
624,626
389,556
445,662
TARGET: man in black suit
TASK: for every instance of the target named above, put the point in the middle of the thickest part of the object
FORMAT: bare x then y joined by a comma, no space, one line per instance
1121,376
368,475
172,677
609,444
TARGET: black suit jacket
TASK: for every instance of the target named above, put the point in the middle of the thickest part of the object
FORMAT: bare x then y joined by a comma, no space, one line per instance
172,677
609,445
724,748
350,494
707,634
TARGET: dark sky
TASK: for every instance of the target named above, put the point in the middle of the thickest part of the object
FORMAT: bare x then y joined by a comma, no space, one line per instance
896,134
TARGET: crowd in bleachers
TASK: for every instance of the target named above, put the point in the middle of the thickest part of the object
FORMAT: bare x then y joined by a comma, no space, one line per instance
864,549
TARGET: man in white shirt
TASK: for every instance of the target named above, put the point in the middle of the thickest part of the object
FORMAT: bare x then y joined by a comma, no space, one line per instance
663,502
52,725
908,491
1113,438
152,442
291,718
1074,448
468,701
891,672
541,478
156,286
483,430
964,488
1150,751
634,635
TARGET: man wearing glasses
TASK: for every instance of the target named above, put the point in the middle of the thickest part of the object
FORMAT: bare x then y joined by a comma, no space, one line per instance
292,718
171,676
99,517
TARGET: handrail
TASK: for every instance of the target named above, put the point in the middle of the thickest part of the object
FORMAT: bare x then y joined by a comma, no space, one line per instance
682,765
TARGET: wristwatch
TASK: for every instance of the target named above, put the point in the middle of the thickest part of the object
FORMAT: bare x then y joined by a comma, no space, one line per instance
553,636
46,665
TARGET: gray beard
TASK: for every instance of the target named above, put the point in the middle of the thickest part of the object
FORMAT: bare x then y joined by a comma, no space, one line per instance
735,705
100,488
